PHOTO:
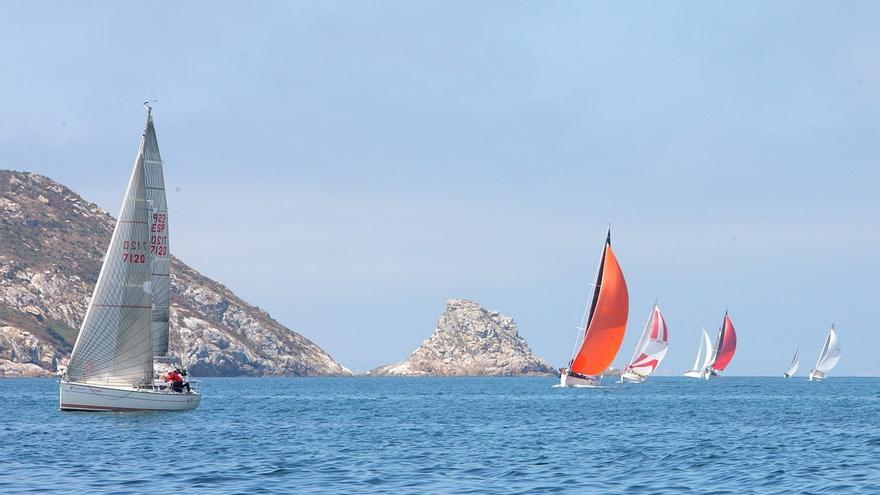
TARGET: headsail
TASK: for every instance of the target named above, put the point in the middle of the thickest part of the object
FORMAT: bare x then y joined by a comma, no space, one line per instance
652,347
159,248
606,324
830,354
792,368
726,345
696,366
114,345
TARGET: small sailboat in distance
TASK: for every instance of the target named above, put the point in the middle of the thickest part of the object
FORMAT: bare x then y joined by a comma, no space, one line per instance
828,357
125,327
792,368
603,326
725,347
650,350
704,357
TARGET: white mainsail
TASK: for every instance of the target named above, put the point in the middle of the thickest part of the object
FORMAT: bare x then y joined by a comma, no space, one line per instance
830,354
114,346
792,368
710,351
159,248
696,366
651,348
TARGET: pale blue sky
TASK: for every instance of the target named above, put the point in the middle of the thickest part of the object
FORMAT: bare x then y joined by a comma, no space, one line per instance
349,166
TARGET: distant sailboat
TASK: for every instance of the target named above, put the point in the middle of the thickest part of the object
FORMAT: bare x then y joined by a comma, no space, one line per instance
704,357
725,347
792,368
828,357
604,325
650,350
126,324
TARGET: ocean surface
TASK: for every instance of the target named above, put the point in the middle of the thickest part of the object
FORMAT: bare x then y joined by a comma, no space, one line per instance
454,435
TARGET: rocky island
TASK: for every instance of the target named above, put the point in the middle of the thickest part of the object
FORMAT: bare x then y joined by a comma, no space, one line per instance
470,341
51,245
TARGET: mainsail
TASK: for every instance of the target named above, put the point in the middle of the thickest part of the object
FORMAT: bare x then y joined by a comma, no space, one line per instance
792,368
606,323
158,247
725,346
830,354
115,344
652,347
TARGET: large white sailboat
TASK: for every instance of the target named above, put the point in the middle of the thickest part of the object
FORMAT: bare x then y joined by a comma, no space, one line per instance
603,327
704,357
792,368
650,350
828,357
126,324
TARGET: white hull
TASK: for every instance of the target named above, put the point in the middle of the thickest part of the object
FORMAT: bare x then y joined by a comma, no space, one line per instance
80,397
697,374
566,380
632,378
816,376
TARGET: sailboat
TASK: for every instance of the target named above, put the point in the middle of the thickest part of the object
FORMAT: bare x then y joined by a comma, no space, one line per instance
704,357
725,347
604,324
650,350
828,357
792,368
126,324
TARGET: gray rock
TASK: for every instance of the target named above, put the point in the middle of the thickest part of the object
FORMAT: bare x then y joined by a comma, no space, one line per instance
470,341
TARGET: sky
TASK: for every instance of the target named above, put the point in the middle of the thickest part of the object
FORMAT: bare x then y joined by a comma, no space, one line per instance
350,166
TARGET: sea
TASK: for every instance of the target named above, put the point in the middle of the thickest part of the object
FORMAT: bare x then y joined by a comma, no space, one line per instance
733,435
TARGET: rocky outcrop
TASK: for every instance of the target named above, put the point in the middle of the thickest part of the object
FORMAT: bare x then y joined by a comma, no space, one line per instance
470,341
51,245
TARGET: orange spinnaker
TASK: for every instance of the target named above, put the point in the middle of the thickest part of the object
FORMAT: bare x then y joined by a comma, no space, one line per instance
606,328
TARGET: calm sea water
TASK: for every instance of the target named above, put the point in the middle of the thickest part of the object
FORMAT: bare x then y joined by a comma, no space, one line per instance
454,435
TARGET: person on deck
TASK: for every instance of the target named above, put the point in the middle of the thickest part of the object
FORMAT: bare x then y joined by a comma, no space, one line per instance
175,380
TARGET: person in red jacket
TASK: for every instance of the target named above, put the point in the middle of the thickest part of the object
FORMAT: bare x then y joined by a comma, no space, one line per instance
175,380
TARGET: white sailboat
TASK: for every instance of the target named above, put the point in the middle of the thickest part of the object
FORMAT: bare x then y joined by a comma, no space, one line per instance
704,357
792,368
650,350
828,357
111,367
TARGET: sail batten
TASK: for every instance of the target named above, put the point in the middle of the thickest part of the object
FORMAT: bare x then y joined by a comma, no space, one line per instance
606,324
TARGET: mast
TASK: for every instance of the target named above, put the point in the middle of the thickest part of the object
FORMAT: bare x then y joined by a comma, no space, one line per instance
594,298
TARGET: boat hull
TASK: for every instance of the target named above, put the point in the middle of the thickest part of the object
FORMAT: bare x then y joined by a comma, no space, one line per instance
566,380
80,397
631,378
697,374
816,376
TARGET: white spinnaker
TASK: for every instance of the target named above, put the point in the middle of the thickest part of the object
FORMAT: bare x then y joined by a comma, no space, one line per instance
710,351
158,247
652,346
114,345
696,366
795,362
830,354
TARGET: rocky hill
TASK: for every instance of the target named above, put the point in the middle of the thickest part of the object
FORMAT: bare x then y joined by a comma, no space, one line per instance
470,341
51,245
